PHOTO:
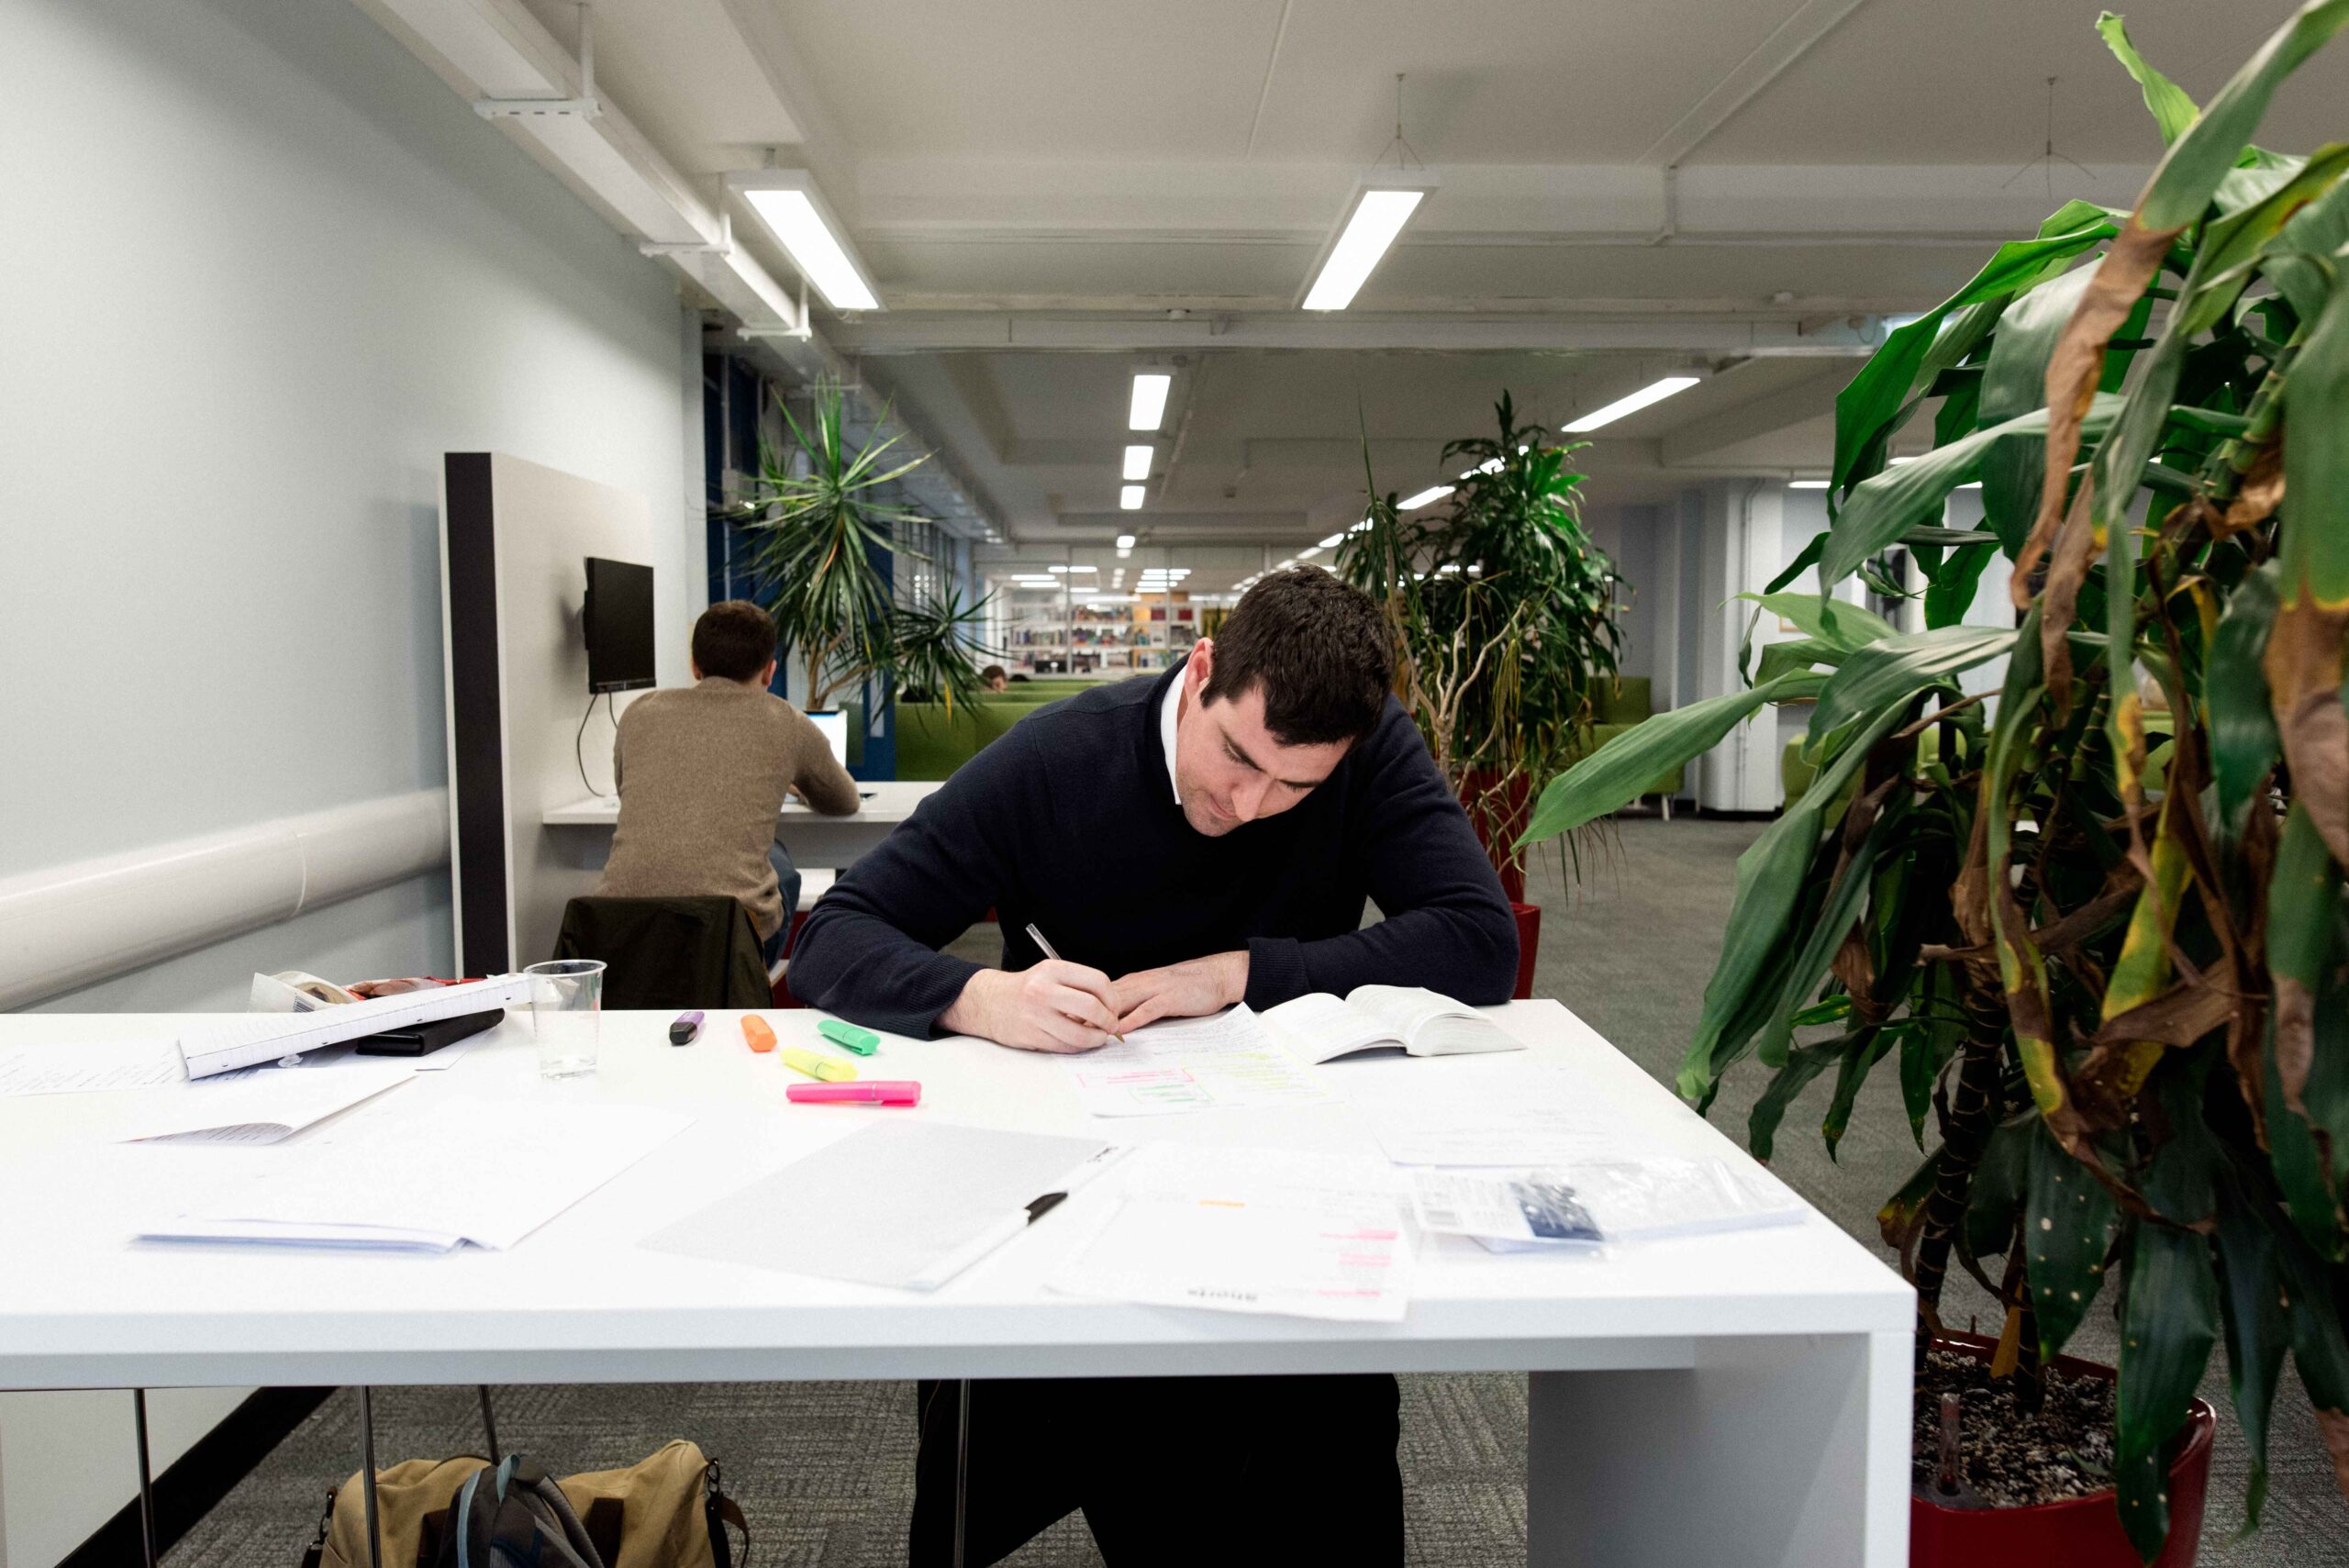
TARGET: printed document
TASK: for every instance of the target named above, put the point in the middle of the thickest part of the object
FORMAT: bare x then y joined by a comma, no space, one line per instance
414,1176
1526,1116
1251,1231
82,1067
1191,1065
261,1104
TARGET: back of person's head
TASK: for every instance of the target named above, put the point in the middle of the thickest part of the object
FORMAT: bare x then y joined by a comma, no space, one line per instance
1319,651
733,640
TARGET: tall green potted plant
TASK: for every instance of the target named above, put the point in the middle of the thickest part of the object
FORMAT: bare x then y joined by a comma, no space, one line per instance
1504,612
822,534
2098,920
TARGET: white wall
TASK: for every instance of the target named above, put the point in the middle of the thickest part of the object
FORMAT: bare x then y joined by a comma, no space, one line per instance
261,269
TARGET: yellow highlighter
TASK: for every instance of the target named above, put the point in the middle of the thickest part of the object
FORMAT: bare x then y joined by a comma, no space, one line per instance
831,1069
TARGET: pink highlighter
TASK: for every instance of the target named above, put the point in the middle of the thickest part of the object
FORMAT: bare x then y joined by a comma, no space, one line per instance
864,1091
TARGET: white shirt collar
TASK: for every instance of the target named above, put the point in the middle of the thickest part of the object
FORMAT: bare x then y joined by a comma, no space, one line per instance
1168,707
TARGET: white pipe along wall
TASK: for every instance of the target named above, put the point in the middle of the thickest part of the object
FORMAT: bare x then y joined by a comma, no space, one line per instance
69,925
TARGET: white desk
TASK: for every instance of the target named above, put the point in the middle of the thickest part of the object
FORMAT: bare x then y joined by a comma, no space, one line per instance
1734,1398
813,838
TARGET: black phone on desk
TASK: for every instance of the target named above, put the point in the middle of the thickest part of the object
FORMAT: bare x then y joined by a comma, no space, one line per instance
422,1039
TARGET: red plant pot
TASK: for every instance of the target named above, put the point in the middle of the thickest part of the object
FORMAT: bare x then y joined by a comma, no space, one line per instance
2079,1532
1529,942
1508,807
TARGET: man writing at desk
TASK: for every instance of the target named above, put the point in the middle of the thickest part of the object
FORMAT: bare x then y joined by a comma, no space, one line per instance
702,771
1204,839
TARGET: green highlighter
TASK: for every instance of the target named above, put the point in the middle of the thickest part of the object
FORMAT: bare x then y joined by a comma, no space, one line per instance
848,1037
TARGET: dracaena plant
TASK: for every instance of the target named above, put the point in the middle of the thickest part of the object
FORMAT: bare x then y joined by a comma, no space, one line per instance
1504,614
2097,918
822,527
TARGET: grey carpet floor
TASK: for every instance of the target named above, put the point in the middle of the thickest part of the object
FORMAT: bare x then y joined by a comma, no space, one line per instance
825,1470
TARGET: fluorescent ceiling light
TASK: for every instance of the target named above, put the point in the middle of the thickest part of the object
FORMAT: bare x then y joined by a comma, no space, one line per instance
1332,542
1125,541
1055,568
789,202
1129,497
1149,405
1654,392
1124,550
1360,527
1382,203
1309,554
1808,483
1137,460
1490,465
1433,493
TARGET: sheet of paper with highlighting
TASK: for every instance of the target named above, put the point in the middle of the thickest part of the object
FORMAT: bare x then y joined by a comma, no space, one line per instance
1251,1231
82,1067
261,1105
413,1176
1522,1116
1189,1064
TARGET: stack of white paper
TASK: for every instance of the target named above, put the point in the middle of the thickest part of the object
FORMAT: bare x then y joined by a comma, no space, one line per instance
88,1067
1190,1064
1521,1117
1251,1231
431,1175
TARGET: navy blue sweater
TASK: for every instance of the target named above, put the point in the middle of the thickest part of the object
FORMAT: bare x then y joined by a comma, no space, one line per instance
1069,822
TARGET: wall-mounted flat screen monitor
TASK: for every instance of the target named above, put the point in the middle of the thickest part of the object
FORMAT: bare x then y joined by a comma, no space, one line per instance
620,625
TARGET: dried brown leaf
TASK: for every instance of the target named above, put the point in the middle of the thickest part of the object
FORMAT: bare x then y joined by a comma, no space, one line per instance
2335,1425
2073,370
2303,662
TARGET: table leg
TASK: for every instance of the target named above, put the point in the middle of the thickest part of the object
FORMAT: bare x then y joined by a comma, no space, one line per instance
145,1481
489,1426
962,1463
367,1474
1782,1450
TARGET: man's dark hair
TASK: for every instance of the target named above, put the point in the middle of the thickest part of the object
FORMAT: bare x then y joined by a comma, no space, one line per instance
992,672
1319,651
733,639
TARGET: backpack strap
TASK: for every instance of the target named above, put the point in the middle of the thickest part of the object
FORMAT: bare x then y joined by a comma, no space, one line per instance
718,1510
604,1522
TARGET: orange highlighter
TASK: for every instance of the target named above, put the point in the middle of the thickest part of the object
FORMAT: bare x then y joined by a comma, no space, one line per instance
756,1032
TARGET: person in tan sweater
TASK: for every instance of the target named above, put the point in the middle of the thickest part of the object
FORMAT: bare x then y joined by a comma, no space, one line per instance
702,771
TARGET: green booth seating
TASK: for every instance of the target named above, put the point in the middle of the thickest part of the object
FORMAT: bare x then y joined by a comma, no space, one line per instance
931,744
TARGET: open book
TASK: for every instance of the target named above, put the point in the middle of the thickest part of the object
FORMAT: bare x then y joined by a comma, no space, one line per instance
1320,1028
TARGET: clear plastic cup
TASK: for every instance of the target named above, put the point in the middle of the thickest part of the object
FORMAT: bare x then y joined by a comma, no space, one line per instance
567,1015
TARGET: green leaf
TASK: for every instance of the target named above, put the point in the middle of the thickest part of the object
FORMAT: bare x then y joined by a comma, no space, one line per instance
1770,882
1994,1200
2202,156
2258,1330
1864,1051
1884,507
1833,621
2244,744
1950,592
1803,1063
1803,561
2172,110
2069,1221
1816,955
1897,669
1794,655
1924,1051
2168,1323
1864,407
2233,244
1619,772
2316,473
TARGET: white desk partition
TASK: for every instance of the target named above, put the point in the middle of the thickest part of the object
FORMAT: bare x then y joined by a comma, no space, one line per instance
1738,1397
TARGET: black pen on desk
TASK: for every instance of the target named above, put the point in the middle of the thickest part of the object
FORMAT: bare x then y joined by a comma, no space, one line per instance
1037,938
